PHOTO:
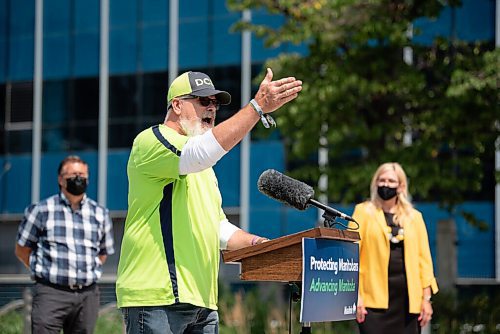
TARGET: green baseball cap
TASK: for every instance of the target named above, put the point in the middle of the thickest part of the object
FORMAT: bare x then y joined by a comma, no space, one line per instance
196,84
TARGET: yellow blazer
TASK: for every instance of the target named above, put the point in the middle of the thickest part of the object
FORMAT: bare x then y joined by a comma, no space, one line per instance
374,252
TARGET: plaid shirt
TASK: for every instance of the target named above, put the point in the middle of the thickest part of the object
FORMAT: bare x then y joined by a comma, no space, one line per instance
66,243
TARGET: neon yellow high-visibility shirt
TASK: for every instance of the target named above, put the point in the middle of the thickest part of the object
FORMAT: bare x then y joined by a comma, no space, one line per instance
170,247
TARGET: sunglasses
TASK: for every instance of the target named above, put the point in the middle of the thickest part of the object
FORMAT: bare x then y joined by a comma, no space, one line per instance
203,100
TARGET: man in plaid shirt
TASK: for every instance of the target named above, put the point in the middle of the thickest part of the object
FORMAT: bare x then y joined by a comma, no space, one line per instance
64,240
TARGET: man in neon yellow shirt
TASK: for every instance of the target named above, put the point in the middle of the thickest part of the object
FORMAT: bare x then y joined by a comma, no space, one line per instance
175,227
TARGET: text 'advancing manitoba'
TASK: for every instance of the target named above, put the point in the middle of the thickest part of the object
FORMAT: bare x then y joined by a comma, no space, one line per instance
333,285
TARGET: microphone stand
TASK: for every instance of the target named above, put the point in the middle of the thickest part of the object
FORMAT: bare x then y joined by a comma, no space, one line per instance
329,214
306,328
295,289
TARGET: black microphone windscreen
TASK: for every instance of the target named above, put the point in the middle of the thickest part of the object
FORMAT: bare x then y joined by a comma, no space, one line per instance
285,189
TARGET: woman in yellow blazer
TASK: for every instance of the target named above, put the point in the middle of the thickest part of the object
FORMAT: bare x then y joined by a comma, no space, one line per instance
396,277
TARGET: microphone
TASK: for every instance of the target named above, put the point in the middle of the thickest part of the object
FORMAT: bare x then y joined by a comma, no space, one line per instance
285,189
292,192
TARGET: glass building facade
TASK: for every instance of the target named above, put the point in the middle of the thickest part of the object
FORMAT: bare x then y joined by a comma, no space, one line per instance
138,64
138,83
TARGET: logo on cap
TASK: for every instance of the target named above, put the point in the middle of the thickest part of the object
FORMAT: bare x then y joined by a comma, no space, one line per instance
204,81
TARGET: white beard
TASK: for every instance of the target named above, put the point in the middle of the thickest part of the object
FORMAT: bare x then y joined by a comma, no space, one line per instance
192,127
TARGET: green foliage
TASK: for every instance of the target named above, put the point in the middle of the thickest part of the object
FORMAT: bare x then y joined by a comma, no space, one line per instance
473,309
248,312
437,115
109,323
470,309
485,77
11,323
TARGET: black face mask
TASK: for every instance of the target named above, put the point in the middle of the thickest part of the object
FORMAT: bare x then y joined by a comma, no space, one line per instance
76,185
386,193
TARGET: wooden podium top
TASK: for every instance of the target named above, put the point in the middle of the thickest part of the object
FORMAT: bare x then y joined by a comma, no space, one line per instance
280,260
289,240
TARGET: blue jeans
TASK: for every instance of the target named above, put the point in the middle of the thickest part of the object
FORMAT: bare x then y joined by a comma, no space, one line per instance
171,319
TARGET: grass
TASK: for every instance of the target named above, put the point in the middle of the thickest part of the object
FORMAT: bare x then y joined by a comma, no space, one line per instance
110,323
11,323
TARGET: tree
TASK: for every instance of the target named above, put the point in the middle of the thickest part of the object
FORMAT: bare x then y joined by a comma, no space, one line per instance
435,115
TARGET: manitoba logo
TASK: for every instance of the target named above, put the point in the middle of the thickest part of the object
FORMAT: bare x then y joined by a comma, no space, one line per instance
351,309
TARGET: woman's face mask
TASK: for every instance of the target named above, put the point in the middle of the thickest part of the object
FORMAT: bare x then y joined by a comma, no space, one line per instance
386,193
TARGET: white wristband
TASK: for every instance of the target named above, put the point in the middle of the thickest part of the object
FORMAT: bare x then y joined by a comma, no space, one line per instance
266,119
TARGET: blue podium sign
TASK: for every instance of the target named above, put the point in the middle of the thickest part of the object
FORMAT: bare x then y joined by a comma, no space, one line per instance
330,275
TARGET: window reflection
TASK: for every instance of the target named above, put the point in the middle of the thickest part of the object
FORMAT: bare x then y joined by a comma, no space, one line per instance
70,112
70,115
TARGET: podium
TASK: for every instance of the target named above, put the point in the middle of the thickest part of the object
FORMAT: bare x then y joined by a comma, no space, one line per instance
280,260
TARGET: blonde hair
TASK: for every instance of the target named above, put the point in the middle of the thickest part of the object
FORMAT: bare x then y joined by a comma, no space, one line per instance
403,203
